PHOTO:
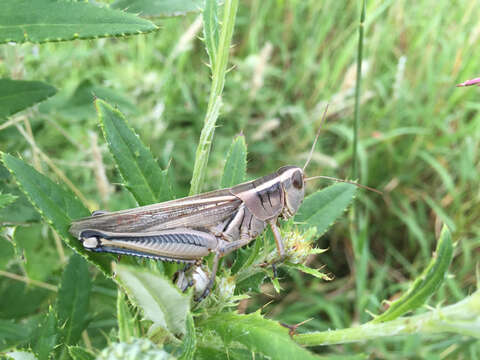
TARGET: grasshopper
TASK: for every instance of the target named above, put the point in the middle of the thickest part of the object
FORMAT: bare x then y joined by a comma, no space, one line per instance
188,229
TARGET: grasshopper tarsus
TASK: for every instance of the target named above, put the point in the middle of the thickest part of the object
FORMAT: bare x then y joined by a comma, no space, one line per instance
99,212
274,270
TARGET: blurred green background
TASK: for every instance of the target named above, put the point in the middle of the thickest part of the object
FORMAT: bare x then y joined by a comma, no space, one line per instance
419,138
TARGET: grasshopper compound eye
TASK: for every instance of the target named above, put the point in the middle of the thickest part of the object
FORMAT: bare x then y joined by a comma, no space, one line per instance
297,180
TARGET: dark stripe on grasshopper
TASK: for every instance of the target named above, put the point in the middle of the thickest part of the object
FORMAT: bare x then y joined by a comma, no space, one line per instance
119,251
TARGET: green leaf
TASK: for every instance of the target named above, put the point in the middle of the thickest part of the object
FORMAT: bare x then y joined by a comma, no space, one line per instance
127,328
79,353
13,334
6,199
19,211
153,8
257,334
305,269
18,300
210,30
16,95
21,355
57,206
144,178
6,252
159,299
426,284
49,20
78,105
39,260
138,349
46,336
322,208
236,165
251,283
189,344
205,352
73,298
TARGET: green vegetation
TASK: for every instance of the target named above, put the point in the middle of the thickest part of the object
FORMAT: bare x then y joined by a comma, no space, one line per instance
101,108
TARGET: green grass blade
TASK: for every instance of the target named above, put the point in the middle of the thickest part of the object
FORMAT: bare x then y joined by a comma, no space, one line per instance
215,99
322,208
358,86
72,301
144,178
154,8
257,334
56,205
16,95
159,299
236,165
46,20
426,284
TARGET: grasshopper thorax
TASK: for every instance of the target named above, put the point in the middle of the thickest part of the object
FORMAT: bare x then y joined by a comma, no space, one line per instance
293,184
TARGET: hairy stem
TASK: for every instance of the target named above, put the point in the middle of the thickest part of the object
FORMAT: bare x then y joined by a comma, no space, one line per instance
219,68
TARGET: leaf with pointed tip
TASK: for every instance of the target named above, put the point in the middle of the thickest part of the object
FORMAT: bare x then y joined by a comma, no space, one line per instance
17,95
426,284
305,269
147,182
153,8
257,334
57,206
236,164
46,336
159,299
73,298
49,20
323,207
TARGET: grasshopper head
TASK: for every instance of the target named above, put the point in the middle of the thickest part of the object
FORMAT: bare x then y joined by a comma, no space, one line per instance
293,185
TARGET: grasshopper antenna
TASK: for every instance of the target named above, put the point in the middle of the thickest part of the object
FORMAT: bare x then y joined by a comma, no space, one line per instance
316,138
345,181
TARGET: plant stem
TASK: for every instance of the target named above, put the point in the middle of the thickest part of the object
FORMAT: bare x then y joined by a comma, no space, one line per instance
462,318
219,69
357,90
359,236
